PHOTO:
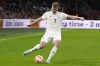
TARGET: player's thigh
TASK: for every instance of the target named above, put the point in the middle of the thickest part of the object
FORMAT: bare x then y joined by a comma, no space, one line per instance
46,38
44,41
57,40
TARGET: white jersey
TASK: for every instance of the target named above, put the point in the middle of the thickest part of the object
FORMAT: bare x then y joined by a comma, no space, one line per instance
54,20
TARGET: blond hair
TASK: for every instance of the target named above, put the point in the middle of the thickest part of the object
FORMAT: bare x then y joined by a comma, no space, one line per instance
56,4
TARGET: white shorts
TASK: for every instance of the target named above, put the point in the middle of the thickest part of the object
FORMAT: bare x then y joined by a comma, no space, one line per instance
51,36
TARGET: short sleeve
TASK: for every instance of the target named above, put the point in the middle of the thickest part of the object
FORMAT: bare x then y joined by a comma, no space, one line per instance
44,16
65,15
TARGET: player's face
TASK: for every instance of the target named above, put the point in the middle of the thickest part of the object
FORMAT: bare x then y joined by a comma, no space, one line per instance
54,9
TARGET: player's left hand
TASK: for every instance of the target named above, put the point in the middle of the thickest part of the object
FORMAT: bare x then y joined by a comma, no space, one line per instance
81,18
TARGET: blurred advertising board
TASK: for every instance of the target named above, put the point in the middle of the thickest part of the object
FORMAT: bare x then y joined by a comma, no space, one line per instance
15,23
22,23
19,23
86,24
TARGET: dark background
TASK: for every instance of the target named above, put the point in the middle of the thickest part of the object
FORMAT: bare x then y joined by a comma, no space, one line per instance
23,9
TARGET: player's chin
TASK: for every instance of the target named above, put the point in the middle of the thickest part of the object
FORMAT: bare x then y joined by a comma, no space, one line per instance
54,12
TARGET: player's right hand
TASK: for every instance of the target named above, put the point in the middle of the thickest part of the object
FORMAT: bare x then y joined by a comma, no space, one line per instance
28,25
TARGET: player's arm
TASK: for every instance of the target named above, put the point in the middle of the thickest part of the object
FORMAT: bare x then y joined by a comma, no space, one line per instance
75,17
35,21
43,17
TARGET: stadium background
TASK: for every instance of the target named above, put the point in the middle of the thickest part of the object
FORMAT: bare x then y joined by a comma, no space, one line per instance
79,47
31,9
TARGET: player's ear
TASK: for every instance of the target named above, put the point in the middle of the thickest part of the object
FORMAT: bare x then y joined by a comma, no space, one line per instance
59,7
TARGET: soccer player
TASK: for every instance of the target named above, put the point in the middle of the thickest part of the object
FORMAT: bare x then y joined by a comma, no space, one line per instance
53,31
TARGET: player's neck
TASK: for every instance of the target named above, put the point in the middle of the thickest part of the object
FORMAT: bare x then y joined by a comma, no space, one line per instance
54,12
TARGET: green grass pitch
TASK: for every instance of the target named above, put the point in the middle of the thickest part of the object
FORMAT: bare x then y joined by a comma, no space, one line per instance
79,47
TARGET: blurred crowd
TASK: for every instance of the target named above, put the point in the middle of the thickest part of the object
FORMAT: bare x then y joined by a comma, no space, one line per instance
23,8
31,9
